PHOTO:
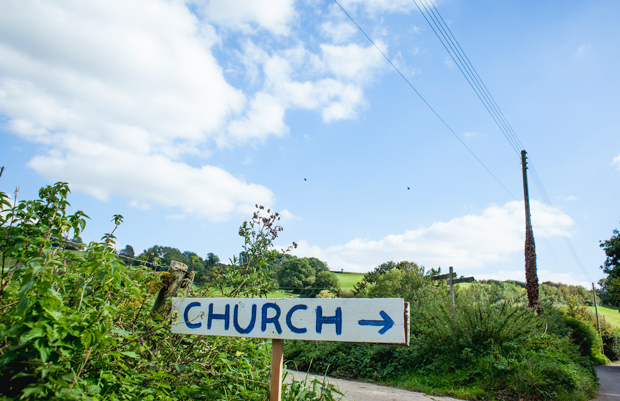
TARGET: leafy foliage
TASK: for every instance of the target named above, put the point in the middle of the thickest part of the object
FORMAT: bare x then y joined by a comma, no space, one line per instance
296,274
371,277
325,281
611,267
159,257
76,325
488,349
306,276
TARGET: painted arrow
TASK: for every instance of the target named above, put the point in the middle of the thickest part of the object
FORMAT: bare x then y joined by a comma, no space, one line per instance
387,322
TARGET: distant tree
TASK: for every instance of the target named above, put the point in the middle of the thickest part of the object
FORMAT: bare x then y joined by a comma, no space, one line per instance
409,283
317,265
372,276
128,251
76,244
325,280
212,259
158,257
277,263
611,284
296,274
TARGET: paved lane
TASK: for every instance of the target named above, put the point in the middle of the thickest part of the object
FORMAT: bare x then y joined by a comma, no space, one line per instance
362,391
609,379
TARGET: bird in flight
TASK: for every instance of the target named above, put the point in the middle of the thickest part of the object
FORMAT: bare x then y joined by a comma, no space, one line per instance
305,179
408,188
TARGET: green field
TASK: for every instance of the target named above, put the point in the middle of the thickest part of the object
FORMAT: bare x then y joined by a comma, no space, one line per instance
348,280
611,314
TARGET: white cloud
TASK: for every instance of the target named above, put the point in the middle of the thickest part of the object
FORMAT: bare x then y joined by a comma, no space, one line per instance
286,216
244,15
353,62
101,171
108,67
616,161
118,92
175,217
338,32
467,242
582,50
296,78
379,6
470,134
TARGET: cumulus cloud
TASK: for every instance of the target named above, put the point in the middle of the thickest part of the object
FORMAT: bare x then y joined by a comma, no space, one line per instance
287,216
379,6
616,161
582,50
468,242
338,32
330,81
117,93
248,15
101,171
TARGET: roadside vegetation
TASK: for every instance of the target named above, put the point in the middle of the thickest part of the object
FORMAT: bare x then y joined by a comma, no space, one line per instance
77,323
492,348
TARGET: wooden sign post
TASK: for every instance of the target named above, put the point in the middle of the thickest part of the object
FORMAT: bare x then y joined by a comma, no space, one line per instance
377,320
277,363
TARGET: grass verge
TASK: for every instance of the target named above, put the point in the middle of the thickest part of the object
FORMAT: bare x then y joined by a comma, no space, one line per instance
609,312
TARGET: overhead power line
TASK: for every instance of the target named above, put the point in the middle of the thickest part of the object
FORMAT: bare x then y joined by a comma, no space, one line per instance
450,43
454,49
424,100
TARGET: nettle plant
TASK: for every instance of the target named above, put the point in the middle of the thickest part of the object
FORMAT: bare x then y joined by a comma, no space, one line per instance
76,322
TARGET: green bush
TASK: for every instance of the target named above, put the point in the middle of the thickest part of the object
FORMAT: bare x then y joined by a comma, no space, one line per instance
486,350
77,325
611,344
587,339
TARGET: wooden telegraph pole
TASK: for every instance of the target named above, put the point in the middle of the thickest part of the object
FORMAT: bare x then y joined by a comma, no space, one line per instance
531,276
598,324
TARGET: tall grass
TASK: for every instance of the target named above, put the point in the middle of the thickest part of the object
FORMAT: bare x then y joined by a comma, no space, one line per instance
484,350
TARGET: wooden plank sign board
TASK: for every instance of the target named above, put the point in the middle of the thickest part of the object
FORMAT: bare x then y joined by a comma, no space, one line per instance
363,320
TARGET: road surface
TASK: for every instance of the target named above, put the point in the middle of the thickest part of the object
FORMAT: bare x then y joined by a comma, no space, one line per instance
609,379
362,391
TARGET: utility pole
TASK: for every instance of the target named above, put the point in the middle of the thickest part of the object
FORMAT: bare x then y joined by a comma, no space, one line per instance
598,324
531,276
451,290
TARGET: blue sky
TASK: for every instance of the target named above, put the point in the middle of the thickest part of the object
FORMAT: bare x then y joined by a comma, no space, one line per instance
182,115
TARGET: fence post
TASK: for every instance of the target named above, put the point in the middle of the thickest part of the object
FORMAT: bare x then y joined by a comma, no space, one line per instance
178,271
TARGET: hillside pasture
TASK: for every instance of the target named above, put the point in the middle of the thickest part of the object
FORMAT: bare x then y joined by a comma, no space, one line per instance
348,280
611,314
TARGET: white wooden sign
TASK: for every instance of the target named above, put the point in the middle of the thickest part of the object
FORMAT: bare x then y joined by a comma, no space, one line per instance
367,320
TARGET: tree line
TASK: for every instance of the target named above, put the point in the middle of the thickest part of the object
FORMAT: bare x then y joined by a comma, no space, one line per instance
306,277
